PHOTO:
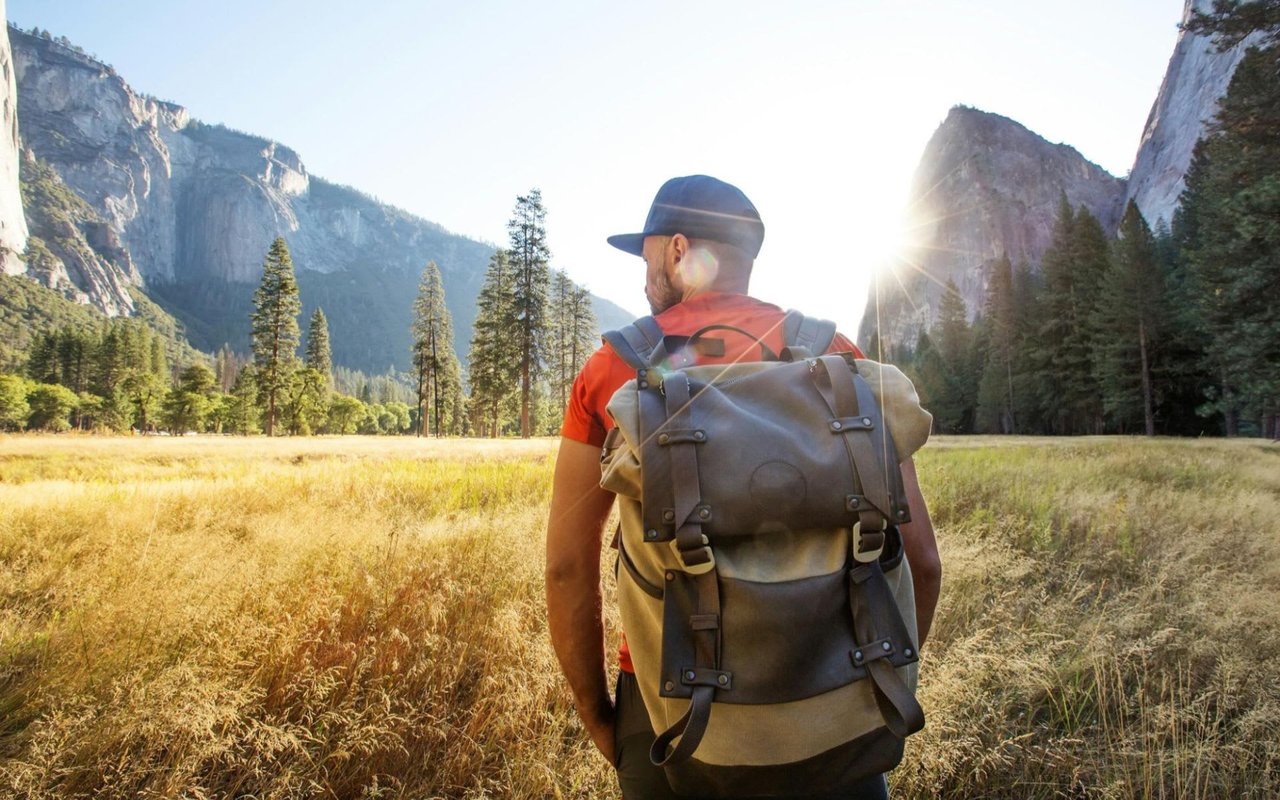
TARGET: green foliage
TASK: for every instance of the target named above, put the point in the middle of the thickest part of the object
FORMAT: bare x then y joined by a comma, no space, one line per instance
570,341
275,329
319,356
1129,318
435,363
494,358
529,256
345,414
241,413
14,408
305,402
1230,22
189,405
51,407
995,400
1228,228
949,359
28,310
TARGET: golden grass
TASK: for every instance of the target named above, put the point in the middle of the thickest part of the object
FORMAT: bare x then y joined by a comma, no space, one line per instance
363,617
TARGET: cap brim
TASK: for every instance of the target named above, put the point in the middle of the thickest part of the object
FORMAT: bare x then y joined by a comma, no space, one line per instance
632,243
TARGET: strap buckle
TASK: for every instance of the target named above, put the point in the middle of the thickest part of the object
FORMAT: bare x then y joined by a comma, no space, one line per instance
696,560
867,546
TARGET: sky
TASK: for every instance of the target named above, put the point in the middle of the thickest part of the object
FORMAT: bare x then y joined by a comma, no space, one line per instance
818,110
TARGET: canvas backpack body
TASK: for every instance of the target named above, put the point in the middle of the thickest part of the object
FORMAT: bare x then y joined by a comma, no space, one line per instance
763,589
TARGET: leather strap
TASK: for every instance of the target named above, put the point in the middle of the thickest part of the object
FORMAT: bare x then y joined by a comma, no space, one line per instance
704,675
902,713
656,475
903,716
848,395
690,728
685,488
766,352
835,383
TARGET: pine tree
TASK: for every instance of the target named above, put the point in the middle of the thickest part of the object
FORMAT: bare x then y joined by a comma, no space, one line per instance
529,257
244,413
571,338
1028,414
1073,267
494,357
1130,316
435,363
995,412
189,404
275,328
1231,242
955,389
318,355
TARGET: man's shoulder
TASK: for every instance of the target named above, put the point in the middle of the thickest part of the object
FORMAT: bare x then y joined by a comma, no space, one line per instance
716,308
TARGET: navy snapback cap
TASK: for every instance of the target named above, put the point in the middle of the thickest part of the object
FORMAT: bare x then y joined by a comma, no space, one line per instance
700,207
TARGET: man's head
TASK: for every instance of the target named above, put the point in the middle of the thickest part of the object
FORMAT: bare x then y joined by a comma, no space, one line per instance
701,234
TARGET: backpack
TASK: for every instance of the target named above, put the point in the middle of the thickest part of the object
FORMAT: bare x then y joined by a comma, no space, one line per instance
762,586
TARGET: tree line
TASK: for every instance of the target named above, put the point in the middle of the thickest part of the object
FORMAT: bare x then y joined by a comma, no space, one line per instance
1171,331
534,330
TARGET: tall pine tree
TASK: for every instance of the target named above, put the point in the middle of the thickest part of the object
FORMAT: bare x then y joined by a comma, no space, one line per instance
435,363
494,357
995,413
571,337
957,384
1130,317
1073,267
529,256
319,356
1227,227
275,329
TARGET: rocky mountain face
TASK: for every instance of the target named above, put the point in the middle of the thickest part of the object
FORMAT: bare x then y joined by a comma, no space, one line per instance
194,207
13,224
985,186
70,248
1197,76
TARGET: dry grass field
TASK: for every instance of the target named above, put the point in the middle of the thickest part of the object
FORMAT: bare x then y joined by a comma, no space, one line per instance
363,618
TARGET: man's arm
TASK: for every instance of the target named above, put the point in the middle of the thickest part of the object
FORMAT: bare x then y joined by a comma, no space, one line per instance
922,552
579,510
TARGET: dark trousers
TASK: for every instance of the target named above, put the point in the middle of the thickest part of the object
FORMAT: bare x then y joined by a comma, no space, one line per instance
639,779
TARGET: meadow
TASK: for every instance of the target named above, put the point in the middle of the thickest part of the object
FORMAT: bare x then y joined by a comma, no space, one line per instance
363,618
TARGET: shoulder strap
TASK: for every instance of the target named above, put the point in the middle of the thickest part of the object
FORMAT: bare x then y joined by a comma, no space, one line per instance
811,333
636,342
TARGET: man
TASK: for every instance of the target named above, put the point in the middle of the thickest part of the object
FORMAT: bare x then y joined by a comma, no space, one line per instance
699,244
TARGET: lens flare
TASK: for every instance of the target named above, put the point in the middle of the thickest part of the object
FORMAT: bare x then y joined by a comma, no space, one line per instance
699,268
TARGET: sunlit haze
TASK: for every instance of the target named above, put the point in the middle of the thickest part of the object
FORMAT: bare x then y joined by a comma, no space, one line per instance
819,111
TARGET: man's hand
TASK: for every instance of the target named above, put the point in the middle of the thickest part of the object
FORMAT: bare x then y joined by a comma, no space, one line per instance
579,509
599,723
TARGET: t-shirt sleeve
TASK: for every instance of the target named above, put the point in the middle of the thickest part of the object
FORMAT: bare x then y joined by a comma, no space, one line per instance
585,419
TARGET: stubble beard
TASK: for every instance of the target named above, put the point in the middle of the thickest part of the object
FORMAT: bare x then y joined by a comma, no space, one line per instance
661,294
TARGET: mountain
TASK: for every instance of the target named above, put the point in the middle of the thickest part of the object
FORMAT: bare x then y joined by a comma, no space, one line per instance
985,186
187,210
1196,78
13,224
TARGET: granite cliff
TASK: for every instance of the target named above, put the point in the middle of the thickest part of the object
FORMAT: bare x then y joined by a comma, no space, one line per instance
193,208
13,224
1196,77
985,186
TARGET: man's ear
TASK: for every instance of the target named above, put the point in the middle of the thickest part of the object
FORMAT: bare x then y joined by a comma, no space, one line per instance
679,247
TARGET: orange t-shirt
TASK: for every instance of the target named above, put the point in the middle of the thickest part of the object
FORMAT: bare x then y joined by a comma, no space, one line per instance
586,420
